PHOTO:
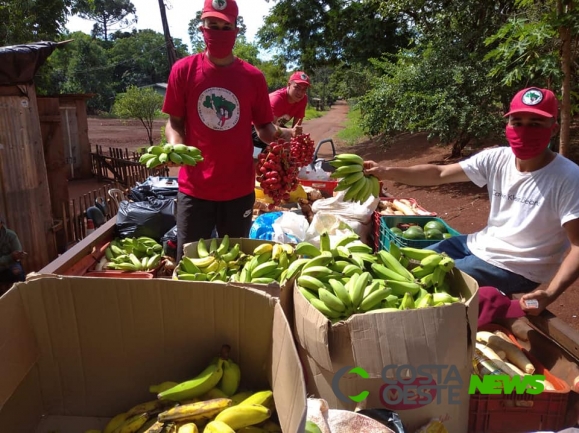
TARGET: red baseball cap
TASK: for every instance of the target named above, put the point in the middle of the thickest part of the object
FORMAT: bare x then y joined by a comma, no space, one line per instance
300,78
223,9
493,305
534,100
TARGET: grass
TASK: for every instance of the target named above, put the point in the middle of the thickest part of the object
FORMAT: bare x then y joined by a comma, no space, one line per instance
352,134
312,113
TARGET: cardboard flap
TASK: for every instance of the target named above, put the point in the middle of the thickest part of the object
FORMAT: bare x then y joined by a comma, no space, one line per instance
409,337
287,376
312,329
18,350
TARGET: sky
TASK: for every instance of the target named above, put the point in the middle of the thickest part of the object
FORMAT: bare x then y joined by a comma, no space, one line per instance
179,13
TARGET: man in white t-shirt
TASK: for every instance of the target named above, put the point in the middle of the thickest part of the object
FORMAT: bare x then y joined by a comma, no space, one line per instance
534,205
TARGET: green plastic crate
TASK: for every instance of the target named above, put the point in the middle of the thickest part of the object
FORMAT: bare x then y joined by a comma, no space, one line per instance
386,235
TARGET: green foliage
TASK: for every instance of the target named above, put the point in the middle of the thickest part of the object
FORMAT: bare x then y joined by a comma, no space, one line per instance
107,14
312,113
23,21
139,103
352,133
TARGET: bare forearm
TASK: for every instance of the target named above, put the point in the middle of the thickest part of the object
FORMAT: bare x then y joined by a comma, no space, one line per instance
567,274
418,175
268,133
175,131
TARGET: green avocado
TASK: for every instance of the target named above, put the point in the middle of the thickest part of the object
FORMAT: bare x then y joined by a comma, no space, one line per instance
434,234
413,232
396,231
434,224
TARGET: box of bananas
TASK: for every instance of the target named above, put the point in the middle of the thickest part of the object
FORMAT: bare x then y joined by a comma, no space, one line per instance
235,260
210,402
140,254
179,154
350,279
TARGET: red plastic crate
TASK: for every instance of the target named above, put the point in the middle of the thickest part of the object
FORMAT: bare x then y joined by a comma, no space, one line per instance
513,413
326,187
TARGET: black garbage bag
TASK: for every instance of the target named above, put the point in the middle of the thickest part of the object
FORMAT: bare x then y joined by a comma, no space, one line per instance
169,242
152,218
147,189
386,417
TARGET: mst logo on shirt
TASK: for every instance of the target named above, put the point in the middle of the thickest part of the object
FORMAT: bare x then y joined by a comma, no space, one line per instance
218,108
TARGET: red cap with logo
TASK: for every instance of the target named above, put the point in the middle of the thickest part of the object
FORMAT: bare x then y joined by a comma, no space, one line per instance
223,9
495,305
534,100
300,77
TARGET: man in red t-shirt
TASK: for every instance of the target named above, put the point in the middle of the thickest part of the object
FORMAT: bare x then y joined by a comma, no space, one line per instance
289,104
212,100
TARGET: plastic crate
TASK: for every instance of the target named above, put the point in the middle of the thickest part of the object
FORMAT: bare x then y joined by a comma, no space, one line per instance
326,187
500,413
385,235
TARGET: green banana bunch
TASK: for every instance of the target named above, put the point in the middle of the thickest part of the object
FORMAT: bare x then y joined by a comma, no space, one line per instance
196,387
229,382
174,153
350,171
133,254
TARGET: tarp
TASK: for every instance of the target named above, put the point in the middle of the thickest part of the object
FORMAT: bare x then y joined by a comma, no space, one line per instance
19,63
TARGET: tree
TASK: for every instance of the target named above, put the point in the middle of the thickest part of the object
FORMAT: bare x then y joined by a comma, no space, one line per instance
106,13
30,21
139,103
139,58
536,48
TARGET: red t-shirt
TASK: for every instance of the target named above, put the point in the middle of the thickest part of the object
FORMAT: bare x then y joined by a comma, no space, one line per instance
219,105
285,111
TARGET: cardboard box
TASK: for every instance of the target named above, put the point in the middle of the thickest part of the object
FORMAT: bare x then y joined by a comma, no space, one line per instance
441,336
76,351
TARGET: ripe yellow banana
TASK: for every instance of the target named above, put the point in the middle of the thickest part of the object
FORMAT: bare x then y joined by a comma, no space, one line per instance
207,379
243,415
264,398
188,428
148,407
115,422
218,427
263,248
132,424
193,412
240,396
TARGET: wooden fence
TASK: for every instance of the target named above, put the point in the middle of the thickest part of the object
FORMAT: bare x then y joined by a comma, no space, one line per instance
74,220
121,166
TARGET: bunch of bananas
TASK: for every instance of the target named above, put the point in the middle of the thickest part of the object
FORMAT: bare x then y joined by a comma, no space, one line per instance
132,254
210,403
176,153
270,263
349,279
218,262
358,186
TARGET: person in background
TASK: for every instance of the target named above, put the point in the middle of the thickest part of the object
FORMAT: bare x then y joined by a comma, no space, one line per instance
288,105
11,253
212,100
532,233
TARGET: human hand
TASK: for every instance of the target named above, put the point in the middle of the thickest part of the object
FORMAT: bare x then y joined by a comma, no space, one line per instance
298,129
18,255
541,297
372,168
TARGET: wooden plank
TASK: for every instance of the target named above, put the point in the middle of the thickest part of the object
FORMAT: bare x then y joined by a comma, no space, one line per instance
557,330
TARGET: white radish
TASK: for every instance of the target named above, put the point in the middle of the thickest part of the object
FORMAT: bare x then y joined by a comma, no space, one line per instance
514,354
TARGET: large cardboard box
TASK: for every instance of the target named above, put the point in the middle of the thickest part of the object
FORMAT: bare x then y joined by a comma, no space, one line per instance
435,340
76,351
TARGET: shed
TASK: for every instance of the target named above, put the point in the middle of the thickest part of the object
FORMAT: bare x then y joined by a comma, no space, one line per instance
25,197
160,88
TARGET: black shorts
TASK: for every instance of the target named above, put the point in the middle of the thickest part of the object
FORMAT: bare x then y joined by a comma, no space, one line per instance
256,140
197,218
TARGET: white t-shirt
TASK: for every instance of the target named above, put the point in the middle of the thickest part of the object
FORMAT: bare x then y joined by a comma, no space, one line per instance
524,232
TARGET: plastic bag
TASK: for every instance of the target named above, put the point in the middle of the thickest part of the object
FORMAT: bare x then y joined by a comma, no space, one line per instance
169,242
152,218
348,210
153,187
290,228
336,226
262,227
315,173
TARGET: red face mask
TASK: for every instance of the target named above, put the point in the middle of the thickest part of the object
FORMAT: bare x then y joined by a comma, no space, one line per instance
219,42
528,142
